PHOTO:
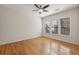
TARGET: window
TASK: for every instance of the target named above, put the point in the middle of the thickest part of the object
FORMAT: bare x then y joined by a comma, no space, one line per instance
54,27
58,26
65,26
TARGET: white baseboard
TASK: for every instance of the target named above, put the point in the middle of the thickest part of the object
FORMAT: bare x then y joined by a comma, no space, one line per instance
63,40
13,41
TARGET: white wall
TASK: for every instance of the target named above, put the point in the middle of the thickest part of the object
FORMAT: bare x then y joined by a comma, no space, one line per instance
16,25
74,25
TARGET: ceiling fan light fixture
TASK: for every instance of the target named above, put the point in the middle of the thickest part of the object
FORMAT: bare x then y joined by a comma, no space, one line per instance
40,10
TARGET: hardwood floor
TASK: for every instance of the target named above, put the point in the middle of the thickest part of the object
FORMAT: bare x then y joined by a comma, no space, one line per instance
39,46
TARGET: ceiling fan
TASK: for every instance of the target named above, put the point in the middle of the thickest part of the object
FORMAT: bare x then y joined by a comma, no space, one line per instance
41,8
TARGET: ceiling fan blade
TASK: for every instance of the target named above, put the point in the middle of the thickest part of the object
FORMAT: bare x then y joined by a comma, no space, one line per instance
35,10
45,6
36,5
45,10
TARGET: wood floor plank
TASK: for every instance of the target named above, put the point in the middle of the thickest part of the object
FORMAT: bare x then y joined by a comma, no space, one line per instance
39,46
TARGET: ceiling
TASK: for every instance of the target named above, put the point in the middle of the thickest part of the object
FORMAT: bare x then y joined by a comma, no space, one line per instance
52,9
55,8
